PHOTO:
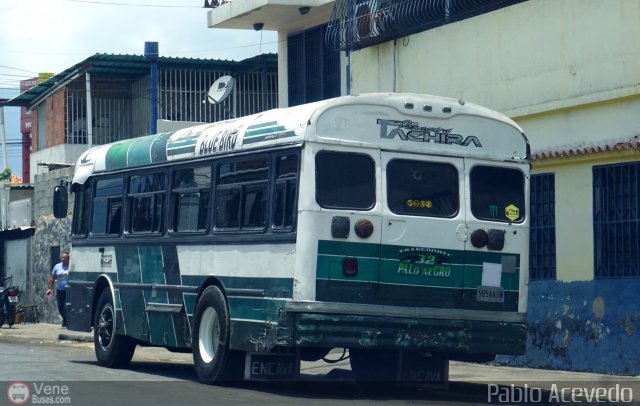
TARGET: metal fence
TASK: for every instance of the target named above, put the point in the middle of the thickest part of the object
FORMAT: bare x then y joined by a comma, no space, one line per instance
616,220
121,107
542,252
357,24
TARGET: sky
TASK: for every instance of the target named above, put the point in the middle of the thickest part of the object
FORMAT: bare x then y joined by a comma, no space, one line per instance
52,35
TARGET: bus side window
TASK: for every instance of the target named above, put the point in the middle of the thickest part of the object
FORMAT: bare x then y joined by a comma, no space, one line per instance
106,201
82,209
286,192
146,203
241,199
190,196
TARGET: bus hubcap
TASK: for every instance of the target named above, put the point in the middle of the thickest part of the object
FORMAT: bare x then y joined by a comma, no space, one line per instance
209,334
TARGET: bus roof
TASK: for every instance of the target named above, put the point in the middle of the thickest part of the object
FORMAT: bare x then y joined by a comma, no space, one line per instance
393,121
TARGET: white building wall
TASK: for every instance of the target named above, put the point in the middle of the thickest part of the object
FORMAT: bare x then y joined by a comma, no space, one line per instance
536,56
17,252
568,71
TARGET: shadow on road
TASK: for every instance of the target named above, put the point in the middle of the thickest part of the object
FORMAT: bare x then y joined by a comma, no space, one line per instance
336,385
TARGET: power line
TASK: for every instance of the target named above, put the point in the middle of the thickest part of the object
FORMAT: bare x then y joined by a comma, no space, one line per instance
23,70
109,3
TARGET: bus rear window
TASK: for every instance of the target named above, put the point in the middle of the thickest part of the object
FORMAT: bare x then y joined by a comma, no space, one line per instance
497,194
421,188
345,180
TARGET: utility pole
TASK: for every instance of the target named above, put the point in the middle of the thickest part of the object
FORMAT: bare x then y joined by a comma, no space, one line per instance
4,135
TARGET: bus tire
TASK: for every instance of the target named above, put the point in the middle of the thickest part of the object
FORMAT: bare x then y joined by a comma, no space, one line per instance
112,350
374,365
213,360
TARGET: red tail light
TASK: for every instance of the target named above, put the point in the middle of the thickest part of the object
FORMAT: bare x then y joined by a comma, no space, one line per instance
12,292
349,266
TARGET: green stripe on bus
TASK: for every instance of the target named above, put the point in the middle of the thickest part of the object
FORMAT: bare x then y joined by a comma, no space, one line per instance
159,148
161,331
253,131
249,308
330,267
351,249
270,136
438,275
139,152
116,157
273,287
132,300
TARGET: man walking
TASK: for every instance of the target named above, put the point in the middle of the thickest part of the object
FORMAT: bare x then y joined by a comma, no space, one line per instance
59,277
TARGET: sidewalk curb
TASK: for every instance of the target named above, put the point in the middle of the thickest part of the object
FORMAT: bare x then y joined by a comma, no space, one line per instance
71,337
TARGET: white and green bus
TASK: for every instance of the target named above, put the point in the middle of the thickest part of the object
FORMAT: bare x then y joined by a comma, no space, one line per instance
391,225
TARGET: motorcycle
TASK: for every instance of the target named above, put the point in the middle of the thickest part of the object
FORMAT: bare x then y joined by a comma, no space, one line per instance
8,301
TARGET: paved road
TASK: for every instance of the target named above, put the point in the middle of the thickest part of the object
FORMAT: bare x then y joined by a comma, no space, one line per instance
35,355
153,382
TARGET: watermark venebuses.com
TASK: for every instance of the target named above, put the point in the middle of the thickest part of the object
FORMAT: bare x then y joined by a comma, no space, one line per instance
560,393
21,393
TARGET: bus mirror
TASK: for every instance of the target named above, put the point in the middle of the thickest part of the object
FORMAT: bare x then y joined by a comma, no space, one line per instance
60,201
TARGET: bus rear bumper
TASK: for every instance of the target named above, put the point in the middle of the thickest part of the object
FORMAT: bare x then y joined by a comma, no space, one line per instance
450,331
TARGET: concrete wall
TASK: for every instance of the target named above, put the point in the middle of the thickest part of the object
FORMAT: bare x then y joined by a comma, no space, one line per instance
536,56
591,326
50,232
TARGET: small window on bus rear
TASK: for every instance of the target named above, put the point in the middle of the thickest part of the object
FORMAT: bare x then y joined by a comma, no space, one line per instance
345,180
497,194
419,188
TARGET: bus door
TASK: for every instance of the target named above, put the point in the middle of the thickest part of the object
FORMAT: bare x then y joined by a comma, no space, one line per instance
497,237
422,253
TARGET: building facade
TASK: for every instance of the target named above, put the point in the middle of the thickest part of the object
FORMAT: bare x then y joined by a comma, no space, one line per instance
568,71
119,90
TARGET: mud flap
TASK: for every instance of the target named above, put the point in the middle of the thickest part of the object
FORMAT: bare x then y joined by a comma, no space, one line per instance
271,367
78,308
429,369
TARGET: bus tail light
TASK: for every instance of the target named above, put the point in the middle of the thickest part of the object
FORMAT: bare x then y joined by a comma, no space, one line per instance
363,228
349,266
479,238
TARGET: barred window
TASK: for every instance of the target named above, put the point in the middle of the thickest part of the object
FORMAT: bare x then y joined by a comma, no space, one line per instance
542,251
313,69
616,220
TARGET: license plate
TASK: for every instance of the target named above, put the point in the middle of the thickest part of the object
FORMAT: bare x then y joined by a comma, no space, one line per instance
491,294
13,299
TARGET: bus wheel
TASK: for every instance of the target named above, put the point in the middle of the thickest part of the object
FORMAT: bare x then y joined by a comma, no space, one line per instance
374,365
214,361
112,350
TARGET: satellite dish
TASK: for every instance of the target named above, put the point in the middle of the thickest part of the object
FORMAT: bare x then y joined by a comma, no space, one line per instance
220,89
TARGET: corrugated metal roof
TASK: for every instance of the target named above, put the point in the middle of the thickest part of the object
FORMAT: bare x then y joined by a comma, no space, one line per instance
131,67
578,150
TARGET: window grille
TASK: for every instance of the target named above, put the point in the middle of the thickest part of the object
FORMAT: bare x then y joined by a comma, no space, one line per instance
313,69
358,24
616,220
542,252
